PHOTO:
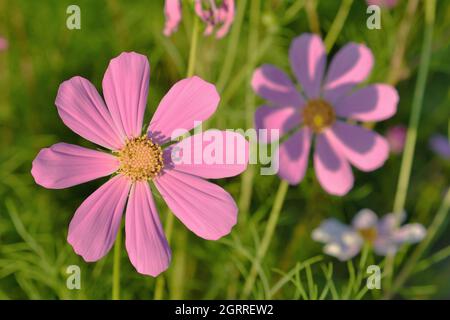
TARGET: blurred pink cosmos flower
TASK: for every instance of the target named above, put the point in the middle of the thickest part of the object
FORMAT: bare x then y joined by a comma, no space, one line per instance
215,14
172,10
440,145
317,110
396,137
3,44
344,242
205,208
383,3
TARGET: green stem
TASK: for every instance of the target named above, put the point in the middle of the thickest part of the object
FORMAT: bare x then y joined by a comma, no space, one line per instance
247,177
338,23
268,234
313,18
411,137
193,49
160,282
232,46
408,154
448,132
178,274
116,266
292,12
401,39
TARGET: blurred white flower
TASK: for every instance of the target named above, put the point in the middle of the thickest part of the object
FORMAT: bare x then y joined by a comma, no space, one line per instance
345,241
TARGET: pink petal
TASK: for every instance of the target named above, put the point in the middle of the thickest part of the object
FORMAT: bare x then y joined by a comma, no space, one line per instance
283,119
383,3
64,165
365,219
332,169
274,85
93,228
3,44
410,233
188,101
373,103
125,88
389,223
364,148
341,241
350,66
308,58
384,245
396,137
293,156
172,10
226,15
440,145
145,241
204,15
82,109
212,154
205,208
209,29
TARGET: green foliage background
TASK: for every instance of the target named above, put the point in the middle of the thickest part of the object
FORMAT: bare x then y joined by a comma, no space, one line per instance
43,53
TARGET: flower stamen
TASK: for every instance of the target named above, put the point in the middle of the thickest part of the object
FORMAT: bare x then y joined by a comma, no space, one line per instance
318,115
368,234
140,159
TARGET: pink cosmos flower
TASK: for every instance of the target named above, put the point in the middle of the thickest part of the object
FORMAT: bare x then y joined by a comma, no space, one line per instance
214,13
396,137
383,3
172,10
317,110
440,145
344,241
136,159
3,44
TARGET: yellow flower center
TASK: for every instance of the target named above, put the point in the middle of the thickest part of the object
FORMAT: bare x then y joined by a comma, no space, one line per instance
318,115
140,159
369,234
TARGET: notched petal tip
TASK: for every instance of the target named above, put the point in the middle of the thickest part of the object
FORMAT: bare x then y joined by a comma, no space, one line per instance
36,167
203,207
64,165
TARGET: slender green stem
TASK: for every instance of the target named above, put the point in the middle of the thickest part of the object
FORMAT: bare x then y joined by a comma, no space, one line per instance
178,272
429,261
193,49
267,237
313,18
448,133
116,266
248,175
292,12
161,280
401,39
338,23
408,154
411,137
168,228
232,46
